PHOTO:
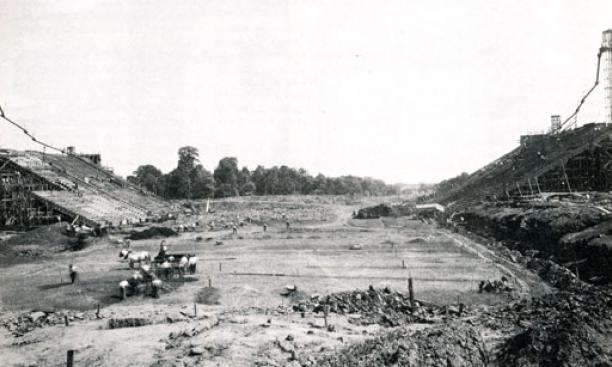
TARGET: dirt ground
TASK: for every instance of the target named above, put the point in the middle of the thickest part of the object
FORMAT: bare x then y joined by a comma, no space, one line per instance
252,320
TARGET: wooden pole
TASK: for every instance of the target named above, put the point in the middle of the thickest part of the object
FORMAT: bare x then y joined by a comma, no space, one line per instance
70,358
519,189
195,310
325,314
66,320
530,187
219,267
569,188
209,283
403,264
98,312
411,294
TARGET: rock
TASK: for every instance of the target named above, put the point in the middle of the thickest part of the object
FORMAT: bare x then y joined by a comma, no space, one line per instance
35,316
286,347
196,351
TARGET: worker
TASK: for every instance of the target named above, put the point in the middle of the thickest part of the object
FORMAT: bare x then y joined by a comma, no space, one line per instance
234,229
72,270
183,264
123,288
162,250
265,227
156,285
166,268
193,262
288,225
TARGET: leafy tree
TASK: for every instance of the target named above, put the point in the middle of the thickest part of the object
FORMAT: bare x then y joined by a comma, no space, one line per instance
226,177
188,157
148,176
203,183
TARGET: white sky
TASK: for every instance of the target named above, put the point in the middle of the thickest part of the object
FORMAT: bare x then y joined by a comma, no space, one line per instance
406,91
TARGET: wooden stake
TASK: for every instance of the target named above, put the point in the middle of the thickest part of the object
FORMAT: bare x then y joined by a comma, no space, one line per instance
195,310
219,267
70,358
209,283
325,314
98,312
403,264
411,293
66,320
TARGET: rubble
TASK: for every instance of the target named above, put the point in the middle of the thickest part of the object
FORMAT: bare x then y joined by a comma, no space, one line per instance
376,306
445,345
495,286
23,323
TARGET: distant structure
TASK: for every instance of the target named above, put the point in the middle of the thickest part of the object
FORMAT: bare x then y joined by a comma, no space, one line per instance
555,124
567,159
38,188
606,61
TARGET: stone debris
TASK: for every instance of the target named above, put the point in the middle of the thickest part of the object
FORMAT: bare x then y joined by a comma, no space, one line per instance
377,306
495,286
444,345
128,322
23,323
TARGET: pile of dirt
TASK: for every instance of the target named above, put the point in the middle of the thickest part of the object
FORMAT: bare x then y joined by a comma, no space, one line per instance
447,345
153,232
375,212
208,296
565,328
378,306
34,244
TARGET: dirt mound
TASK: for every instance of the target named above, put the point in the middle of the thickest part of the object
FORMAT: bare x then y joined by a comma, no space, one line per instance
34,244
208,296
375,212
447,345
153,232
559,329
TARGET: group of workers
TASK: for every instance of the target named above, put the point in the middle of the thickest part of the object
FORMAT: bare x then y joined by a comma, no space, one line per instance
168,265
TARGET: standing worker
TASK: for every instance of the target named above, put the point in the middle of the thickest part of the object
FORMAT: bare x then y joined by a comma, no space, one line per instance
163,249
265,227
156,284
288,224
72,270
123,288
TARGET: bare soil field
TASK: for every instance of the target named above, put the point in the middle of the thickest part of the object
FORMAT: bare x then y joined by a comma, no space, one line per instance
246,320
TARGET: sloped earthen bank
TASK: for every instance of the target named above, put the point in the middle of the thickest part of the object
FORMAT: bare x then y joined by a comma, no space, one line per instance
575,236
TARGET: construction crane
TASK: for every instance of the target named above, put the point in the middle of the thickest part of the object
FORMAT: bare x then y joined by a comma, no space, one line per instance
606,50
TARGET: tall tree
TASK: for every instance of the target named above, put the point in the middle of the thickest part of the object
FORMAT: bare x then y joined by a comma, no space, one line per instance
226,177
203,183
148,176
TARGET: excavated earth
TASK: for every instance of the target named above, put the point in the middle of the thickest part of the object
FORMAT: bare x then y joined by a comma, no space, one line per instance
328,293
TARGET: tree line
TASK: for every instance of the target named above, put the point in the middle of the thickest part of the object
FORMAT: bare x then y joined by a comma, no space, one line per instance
190,180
